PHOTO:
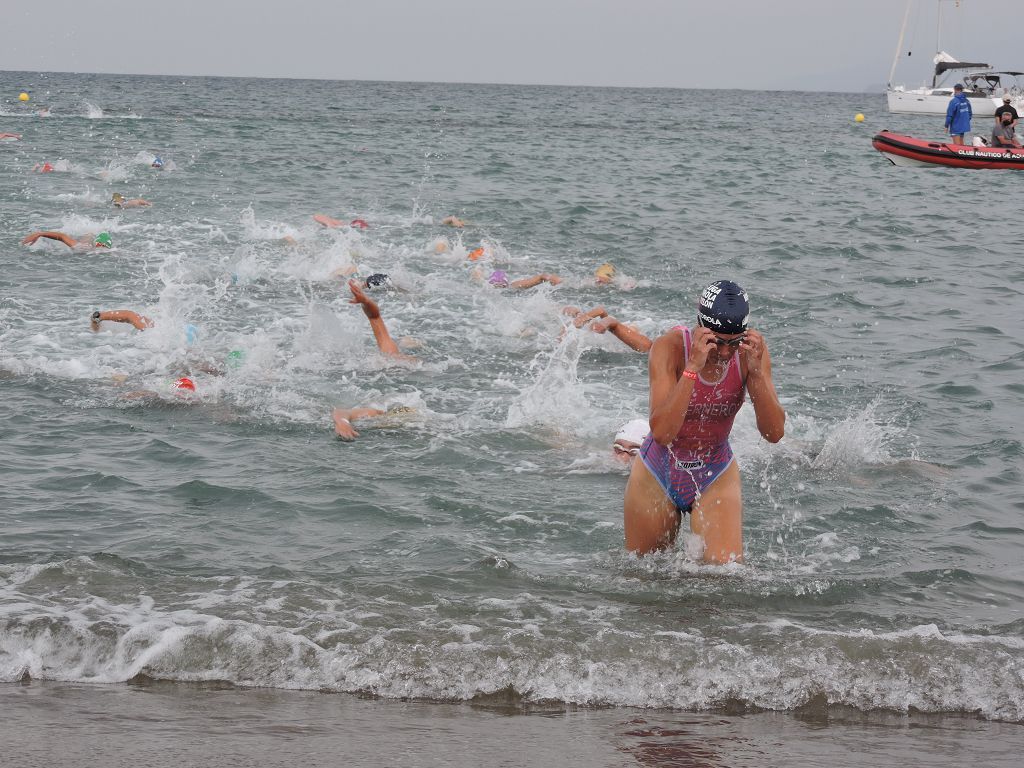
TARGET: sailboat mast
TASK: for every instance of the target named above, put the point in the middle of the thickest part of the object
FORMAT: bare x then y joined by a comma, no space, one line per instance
899,45
938,34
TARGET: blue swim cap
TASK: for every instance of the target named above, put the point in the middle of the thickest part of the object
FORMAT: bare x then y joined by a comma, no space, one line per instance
157,162
191,333
723,307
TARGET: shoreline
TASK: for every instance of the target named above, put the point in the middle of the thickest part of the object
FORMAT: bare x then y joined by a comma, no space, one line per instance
168,723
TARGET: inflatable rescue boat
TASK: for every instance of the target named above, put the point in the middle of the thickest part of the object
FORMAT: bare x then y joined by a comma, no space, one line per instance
906,150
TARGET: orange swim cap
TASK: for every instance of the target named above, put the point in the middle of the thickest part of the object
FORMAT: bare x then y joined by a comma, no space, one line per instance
185,383
476,254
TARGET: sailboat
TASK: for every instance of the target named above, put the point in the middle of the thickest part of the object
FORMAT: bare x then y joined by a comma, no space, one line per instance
983,86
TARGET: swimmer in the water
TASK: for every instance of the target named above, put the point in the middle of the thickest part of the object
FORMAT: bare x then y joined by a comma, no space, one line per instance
157,163
139,322
604,274
499,279
453,221
85,243
599,321
380,281
628,440
343,418
183,390
385,343
698,381
120,201
326,221
142,323
43,168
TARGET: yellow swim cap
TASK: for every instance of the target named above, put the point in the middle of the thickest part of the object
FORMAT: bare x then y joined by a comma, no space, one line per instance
400,410
605,272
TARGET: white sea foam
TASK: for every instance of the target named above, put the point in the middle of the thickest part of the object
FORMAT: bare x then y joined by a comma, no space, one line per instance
862,438
780,665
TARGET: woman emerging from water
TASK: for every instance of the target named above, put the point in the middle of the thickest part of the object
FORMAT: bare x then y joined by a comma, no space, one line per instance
698,381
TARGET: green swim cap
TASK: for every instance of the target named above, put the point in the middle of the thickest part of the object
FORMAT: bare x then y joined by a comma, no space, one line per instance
103,240
235,358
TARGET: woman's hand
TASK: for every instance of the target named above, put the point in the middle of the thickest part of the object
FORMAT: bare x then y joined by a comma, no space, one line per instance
702,341
753,351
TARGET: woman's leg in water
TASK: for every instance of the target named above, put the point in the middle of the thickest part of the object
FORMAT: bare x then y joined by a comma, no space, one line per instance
717,517
650,516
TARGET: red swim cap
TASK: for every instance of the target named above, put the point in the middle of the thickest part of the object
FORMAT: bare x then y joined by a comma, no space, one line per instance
360,224
185,383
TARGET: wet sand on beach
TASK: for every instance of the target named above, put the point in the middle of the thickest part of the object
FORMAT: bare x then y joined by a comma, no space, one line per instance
158,724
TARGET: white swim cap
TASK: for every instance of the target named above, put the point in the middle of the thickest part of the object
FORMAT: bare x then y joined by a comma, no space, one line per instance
634,431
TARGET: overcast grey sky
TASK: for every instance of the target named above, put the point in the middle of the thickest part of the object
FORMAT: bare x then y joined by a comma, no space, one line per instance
843,45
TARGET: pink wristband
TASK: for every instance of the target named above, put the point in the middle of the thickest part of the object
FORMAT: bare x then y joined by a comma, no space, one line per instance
691,375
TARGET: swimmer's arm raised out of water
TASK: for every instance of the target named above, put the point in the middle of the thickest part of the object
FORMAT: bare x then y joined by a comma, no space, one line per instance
69,241
627,334
530,282
771,417
582,318
327,221
141,322
385,343
343,418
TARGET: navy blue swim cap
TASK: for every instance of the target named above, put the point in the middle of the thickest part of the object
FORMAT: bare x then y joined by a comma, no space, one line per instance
723,307
378,280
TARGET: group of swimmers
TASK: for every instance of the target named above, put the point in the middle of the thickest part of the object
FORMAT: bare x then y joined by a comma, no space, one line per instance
699,378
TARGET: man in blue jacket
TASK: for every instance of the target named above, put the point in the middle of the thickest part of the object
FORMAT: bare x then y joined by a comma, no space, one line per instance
958,115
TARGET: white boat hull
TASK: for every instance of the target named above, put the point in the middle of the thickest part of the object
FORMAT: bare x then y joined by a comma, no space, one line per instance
925,101
907,162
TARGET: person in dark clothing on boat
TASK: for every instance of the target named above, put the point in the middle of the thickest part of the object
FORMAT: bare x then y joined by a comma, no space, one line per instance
1002,133
1007,108
958,115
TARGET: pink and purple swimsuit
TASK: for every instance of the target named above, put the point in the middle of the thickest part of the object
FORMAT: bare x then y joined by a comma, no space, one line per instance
700,453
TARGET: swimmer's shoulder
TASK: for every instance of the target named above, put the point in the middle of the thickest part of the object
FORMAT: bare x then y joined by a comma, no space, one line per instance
670,346
671,339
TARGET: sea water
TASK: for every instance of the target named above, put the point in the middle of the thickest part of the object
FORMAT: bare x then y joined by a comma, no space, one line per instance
475,547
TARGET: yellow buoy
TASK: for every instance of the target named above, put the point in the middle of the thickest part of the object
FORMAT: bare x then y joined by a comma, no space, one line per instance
22,96
859,117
